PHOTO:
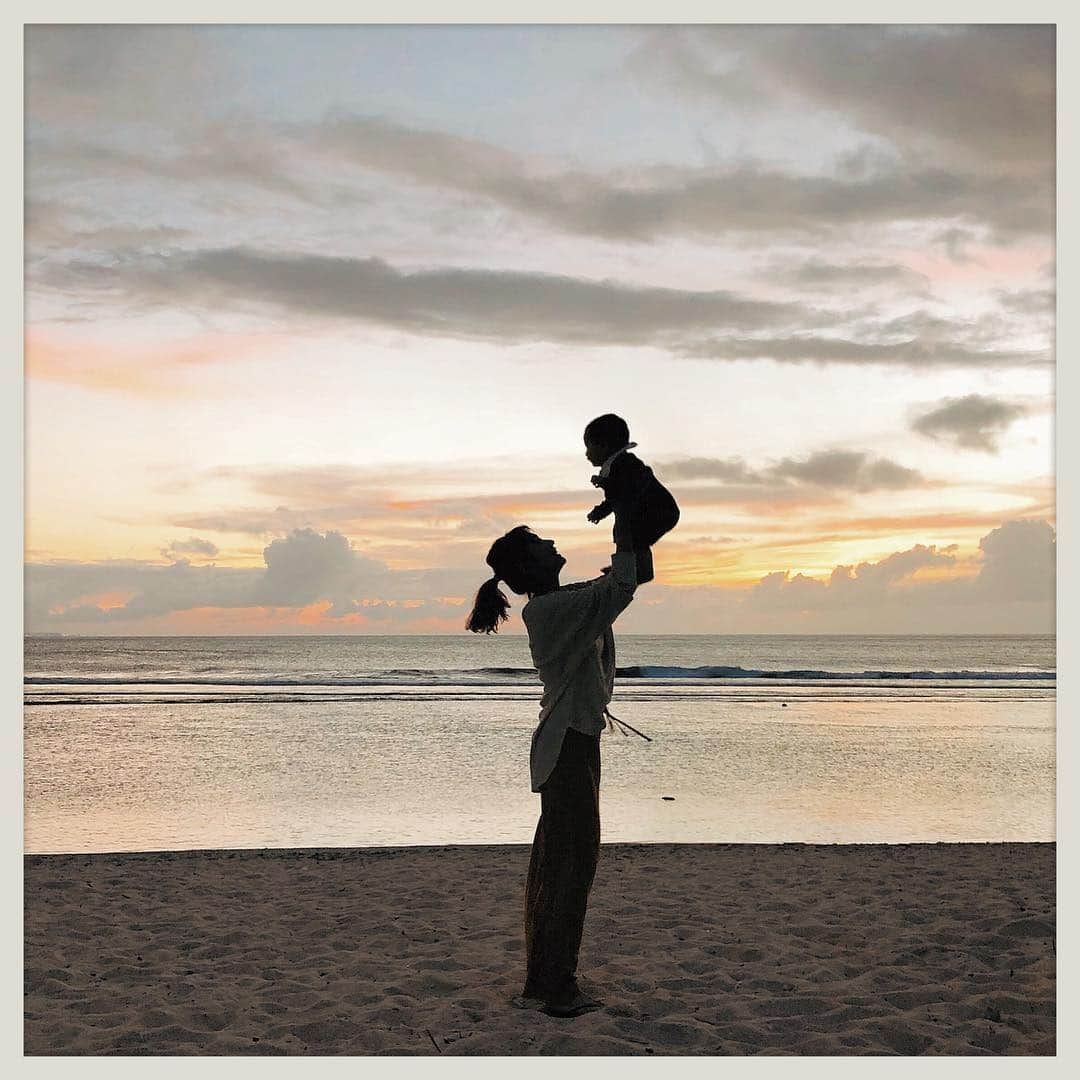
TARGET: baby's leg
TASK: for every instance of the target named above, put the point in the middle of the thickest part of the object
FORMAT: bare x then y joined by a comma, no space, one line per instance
644,565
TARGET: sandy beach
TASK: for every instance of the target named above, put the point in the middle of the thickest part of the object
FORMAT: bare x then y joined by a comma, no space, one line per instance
695,949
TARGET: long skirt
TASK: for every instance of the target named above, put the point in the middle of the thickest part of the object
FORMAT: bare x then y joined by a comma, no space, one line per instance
562,866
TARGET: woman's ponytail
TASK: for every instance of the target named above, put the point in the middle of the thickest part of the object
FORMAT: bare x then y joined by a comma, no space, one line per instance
507,557
489,609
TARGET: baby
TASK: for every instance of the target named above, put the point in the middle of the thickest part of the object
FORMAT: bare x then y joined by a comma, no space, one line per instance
628,483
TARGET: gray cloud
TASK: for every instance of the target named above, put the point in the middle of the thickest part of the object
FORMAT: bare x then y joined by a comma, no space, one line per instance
301,568
653,201
960,122
641,204
848,469
515,307
1011,590
728,470
864,583
195,546
914,352
305,567
984,92
509,306
179,587
1034,302
817,274
982,95
81,73
1019,562
957,243
973,422
218,157
59,592
845,470
1017,565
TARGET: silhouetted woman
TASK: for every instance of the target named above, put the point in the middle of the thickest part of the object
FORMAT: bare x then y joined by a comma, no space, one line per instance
573,650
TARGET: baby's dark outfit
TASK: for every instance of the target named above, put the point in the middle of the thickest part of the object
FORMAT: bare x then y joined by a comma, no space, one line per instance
652,509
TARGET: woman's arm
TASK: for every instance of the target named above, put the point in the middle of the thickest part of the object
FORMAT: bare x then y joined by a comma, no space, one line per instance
624,539
564,625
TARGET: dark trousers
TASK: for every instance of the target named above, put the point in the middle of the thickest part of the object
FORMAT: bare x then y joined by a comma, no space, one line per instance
561,868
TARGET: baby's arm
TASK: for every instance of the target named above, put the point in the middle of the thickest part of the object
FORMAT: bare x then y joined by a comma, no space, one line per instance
600,511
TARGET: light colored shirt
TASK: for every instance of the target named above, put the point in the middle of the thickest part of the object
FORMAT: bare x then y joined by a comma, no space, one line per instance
573,650
606,467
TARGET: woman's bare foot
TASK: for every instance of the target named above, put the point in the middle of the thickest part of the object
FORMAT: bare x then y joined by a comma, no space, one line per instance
579,1003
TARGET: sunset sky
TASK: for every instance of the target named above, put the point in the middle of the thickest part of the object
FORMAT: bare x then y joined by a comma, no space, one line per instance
314,314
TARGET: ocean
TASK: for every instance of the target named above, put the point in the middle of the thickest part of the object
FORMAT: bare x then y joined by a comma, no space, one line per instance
144,743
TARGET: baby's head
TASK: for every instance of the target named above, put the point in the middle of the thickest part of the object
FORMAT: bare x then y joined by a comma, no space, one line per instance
605,435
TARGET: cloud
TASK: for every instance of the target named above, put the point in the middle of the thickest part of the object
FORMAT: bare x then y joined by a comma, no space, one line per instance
652,201
351,498
1033,302
728,470
306,566
164,369
195,546
1007,588
508,306
217,156
123,73
1017,564
56,591
50,223
320,579
514,307
913,352
255,522
639,204
974,422
983,96
865,583
466,515
819,275
986,94
302,568
848,469
845,470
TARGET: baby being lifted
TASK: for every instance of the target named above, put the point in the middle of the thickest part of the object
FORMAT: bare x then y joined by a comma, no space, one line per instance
630,486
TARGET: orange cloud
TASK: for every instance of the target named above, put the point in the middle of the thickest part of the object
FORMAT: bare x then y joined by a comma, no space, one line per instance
105,601
250,620
144,370
311,619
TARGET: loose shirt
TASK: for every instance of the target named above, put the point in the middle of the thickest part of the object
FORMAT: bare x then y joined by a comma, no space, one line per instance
573,650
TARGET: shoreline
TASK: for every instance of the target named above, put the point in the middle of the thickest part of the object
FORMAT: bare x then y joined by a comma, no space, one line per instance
696,949
389,849
343,851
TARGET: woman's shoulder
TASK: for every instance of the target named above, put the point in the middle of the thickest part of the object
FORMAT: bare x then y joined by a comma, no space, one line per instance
568,595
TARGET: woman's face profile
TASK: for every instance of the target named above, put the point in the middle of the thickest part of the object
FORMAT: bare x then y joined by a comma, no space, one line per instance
544,557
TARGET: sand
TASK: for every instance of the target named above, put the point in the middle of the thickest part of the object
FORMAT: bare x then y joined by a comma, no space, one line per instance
696,949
